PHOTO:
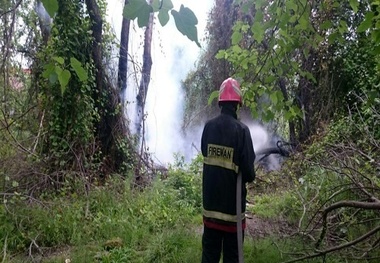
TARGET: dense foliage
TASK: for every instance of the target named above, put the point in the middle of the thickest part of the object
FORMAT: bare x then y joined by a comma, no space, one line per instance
67,161
288,56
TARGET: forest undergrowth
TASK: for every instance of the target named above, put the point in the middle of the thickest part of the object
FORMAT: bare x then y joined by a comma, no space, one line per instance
114,220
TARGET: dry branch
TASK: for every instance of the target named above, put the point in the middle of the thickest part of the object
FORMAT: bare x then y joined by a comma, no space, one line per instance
336,248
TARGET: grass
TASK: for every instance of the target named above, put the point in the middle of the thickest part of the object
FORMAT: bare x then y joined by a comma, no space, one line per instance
116,223
277,204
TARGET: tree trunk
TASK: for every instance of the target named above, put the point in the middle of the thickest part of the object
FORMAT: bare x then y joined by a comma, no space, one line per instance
123,59
305,91
97,25
145,76
111,125
45,22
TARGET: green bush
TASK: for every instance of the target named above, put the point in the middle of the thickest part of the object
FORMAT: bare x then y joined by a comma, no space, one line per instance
274,205
186,181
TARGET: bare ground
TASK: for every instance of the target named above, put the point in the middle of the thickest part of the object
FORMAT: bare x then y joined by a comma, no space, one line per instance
258,227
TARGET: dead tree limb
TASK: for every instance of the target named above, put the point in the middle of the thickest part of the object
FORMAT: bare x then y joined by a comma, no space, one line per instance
336,248
355,204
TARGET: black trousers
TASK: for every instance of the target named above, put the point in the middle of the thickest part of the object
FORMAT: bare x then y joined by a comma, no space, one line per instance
214,241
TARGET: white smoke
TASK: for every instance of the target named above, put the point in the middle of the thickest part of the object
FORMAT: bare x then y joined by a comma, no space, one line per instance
43,15
262,139
173,57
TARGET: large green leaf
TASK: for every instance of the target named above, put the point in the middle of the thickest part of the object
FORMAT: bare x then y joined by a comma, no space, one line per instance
79,70
354,5
366,24
48,70
258,31
60,60
186,22
326,25
163,7
138,9
51,6
236,37
64,78
163,17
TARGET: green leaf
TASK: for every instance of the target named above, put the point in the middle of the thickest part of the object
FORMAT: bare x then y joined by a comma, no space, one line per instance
376,35
269,79
332,37
53,77
64,79
268,115
162,7
354,5
259,16
290,5
186,22
366,24
58,70
49,69
258,32
326,25
221,54
245,8
79,70
138,9
297,112
213,95
236,49
273,97
236,37
304,22
343,27
288,115
260,3
51,7
163,17
15,184
60,60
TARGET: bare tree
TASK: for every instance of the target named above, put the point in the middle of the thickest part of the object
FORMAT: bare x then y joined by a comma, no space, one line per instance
123,58
145,76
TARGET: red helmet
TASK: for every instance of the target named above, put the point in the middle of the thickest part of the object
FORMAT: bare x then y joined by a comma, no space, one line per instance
230,91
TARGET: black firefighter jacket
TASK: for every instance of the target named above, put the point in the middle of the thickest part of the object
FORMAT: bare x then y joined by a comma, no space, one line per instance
227,149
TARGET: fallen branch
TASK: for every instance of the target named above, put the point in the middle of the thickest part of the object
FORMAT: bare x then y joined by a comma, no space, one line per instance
5,249
336,248
355,204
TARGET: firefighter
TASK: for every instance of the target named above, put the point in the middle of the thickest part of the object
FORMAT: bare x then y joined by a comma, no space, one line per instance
228,150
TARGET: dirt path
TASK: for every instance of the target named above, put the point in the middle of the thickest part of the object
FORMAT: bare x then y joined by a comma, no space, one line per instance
258,227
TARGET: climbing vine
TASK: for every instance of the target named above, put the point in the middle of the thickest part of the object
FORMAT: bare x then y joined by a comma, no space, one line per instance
68,90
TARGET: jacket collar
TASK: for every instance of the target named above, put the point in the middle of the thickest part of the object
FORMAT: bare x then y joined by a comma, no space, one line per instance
229,110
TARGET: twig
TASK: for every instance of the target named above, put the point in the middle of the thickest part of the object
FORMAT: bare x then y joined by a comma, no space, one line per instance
5,249
374,245
37,246
39,131
12,9
356,204
28,196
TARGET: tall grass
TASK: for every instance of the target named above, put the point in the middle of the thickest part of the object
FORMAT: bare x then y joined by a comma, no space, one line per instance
118,223
138,219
